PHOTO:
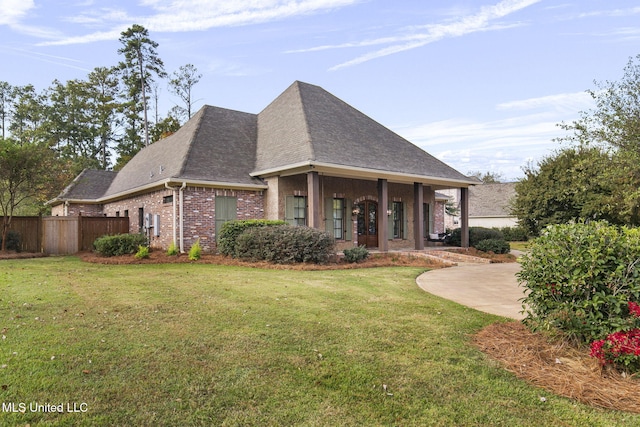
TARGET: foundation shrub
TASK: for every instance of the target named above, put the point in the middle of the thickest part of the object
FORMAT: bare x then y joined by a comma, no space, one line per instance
229,232
285,244
143,252
195,252
119,244
357,254
580,278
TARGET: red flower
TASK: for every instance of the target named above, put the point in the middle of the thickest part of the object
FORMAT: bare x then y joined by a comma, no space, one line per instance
634,309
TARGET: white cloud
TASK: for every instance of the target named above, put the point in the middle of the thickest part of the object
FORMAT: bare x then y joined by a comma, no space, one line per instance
14,10
195,15
480,21
562,102
523,130
612,12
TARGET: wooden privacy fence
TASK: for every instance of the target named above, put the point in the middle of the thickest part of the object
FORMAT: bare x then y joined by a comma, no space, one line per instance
61,235
29,228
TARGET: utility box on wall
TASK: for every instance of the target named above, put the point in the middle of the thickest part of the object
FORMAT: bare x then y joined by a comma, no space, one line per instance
156,225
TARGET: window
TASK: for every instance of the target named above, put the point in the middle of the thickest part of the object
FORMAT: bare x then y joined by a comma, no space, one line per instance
296,210
428,220
299,210
338,218
167,199
226,210
398,220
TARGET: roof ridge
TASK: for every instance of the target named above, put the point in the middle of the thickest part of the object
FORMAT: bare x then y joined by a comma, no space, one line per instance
194,136
305,115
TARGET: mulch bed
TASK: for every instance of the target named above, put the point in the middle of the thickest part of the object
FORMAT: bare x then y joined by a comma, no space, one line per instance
558,367
374,260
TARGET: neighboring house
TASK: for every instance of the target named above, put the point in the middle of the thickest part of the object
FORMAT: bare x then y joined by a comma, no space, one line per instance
489,205
307,158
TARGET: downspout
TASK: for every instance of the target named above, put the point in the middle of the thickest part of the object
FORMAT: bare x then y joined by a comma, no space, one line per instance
173,217
181,226
184,185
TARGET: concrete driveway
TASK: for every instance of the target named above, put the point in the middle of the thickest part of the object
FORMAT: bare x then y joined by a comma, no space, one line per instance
491,288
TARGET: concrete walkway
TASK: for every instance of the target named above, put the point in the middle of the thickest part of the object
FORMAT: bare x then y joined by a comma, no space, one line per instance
491,288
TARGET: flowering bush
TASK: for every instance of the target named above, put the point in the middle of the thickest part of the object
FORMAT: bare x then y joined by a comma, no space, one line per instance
621,348
580,278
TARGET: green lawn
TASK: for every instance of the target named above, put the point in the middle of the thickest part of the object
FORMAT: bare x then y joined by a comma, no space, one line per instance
195,344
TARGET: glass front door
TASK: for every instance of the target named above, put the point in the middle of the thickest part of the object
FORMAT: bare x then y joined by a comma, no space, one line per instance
368,223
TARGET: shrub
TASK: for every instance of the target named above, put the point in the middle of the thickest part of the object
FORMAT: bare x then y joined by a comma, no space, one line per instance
497,246
513,234
172,250
119,244
284,244
580,278
230,231
357,254
13,241
195,252
476,234
143,252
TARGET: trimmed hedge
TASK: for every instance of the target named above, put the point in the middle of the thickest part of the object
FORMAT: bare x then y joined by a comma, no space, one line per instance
513,234
497,246
357,254
119,244
230,231
476,234
581,279
285,244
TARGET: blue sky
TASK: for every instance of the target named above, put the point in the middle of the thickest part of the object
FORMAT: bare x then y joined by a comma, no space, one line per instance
480,84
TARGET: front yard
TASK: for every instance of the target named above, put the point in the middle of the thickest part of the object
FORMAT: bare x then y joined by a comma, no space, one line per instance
196,344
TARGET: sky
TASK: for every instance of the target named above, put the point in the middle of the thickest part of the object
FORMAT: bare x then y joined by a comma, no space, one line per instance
480,84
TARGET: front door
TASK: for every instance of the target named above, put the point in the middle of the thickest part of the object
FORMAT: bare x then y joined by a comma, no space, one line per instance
368,224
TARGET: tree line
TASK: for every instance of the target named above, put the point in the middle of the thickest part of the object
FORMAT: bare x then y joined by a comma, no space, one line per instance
103,120
47,138
596,174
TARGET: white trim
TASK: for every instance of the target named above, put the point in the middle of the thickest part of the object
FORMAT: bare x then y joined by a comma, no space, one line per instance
362,173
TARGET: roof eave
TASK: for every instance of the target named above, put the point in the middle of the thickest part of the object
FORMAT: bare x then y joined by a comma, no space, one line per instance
362,173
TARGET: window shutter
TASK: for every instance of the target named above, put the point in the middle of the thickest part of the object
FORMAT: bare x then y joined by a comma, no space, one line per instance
405,221
389,220
289,209
328,215
348,219
226,210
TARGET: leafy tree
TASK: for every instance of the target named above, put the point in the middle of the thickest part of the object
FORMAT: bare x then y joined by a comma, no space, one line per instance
599,177
28,173
141,63
164,128
6,100
28,115
102,89
568,186
486,177
182,83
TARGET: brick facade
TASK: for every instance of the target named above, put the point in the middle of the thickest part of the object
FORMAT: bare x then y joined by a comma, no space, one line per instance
200,208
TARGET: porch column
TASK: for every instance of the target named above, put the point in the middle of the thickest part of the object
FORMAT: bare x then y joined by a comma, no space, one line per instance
418,215
383,218
313,194
464,217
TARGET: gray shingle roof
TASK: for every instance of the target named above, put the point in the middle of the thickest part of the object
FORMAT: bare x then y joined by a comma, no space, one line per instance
491,199
88,185
216,145
304,124
307,123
